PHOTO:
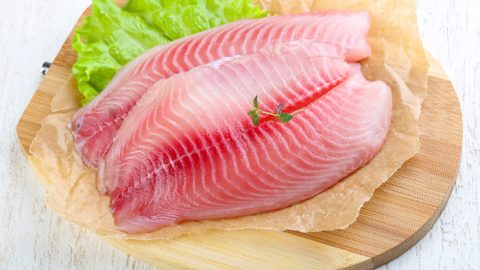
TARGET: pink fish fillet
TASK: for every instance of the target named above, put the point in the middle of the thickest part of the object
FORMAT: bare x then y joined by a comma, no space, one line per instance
95,125
189,151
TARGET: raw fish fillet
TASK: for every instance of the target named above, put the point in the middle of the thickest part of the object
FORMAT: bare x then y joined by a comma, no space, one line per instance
95,125
189,151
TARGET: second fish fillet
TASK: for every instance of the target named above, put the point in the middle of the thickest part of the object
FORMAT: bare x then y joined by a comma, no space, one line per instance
95,125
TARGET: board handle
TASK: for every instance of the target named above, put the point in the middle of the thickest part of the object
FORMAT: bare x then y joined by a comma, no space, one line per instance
45,66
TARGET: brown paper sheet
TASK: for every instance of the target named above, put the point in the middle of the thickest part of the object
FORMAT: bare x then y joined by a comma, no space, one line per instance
398,59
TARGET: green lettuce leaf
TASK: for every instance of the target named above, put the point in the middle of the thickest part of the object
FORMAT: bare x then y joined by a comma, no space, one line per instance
112,36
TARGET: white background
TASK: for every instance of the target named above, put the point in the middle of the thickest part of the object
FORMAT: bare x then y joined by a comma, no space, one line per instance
32,237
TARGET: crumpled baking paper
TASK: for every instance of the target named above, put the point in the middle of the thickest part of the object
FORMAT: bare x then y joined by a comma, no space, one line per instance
398,59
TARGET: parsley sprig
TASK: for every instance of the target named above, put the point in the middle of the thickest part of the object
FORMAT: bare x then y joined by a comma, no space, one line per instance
278,114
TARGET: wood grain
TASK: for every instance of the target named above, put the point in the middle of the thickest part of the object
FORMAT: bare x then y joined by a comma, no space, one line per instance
399,214
32,237
451,31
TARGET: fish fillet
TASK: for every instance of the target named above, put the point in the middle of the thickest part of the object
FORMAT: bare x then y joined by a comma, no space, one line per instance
95,125
189,151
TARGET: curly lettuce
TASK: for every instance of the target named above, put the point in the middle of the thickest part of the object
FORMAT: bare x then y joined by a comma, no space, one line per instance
112,36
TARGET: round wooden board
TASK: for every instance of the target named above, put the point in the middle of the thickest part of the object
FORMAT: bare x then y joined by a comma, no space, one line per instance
400,213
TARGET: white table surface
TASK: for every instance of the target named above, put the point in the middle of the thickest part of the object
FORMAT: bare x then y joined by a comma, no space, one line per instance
32,237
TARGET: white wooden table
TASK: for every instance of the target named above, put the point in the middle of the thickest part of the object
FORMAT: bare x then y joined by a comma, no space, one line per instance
32,237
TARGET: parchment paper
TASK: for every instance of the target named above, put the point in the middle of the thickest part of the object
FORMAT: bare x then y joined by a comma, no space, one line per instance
398,59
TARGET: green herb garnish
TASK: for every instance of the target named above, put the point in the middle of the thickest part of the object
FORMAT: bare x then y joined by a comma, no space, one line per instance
278,114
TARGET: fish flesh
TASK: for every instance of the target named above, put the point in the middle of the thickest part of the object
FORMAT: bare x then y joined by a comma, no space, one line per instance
95,125
189,151
324,70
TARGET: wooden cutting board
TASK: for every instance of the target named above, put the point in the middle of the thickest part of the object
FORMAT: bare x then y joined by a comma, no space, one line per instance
400,213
